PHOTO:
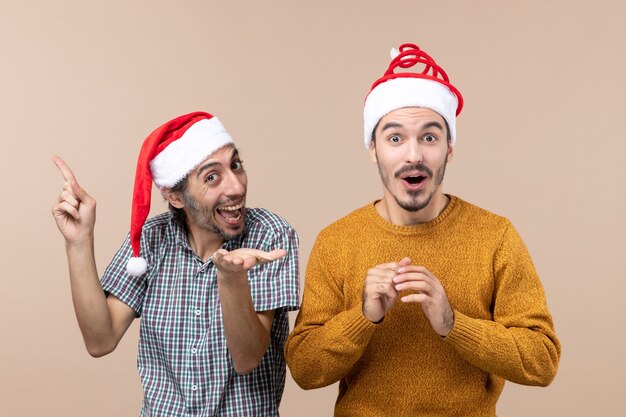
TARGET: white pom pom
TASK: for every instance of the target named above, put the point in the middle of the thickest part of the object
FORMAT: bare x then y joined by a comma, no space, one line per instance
136,267
394,53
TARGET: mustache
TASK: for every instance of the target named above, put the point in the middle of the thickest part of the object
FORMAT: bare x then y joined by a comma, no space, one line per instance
228,201
414,167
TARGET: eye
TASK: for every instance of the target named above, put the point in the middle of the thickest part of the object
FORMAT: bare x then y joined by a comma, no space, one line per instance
430,138
212,177
237,165
395,139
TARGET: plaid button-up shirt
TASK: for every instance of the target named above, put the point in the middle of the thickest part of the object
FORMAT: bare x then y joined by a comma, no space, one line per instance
183,361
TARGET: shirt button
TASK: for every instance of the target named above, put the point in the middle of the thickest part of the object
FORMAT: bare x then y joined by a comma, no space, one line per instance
194,387
198,312
194,350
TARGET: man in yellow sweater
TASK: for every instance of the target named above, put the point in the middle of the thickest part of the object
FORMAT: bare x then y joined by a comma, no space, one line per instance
420,303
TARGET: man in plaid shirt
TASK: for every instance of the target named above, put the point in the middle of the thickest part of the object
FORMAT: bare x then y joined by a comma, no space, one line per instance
211,280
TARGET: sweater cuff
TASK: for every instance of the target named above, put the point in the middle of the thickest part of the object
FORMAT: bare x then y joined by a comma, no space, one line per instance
356,327
466,333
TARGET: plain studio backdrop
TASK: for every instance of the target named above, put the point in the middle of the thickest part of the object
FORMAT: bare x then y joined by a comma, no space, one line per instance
540,141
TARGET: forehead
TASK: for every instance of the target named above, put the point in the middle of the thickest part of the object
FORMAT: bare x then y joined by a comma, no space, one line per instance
411,115
223,156
225,153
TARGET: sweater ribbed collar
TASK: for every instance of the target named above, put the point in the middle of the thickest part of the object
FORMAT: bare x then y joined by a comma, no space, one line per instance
417,229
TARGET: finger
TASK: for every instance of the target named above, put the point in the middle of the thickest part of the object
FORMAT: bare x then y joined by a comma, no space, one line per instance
405,262
385,274
411,276
238,260
228,258
70,178
391,292
378,279
262,255
276,254
249,262
420,286
68,197
378,289
393,266
269,256
65,208
218,256
414,298
67,173
414,268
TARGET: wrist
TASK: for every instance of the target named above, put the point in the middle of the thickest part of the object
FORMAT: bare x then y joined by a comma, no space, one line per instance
231,277
373,319
448,324
80,244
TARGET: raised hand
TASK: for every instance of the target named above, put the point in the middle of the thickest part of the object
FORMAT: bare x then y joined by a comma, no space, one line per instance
75,210
429,293
379,292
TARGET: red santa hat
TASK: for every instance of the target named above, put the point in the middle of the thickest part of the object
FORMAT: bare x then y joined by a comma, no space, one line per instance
167,155
429,88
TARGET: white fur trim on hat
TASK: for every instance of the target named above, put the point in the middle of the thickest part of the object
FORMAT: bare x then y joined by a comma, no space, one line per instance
182,156
403,92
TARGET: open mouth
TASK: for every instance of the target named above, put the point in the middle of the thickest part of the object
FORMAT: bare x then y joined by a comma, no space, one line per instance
415,180
231,214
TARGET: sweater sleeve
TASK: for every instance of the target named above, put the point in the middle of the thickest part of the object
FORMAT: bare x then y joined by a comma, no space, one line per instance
327,339
520,344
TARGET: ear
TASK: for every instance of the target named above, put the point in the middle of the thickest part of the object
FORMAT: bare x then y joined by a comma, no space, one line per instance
373,156
172,197
450,152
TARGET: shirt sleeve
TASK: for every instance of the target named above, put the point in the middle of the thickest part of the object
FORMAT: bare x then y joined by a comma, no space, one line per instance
117,282
520,344
327,339
275,285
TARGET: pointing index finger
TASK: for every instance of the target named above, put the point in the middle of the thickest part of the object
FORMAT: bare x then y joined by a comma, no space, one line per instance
65,170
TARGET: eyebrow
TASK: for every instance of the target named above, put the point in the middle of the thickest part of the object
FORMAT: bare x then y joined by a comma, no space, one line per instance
234,155
433,124
390,125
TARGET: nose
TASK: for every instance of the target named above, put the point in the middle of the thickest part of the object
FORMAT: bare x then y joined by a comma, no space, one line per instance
235,184
414,151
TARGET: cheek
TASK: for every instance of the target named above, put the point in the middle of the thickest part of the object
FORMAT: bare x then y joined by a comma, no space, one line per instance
243,179
391,158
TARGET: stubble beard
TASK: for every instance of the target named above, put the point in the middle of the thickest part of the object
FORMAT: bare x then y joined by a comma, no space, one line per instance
203,218
414,205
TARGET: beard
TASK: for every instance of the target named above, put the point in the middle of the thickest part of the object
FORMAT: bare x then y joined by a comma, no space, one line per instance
414,203
203,218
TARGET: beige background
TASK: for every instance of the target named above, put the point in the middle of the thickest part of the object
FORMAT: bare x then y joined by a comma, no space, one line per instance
540,141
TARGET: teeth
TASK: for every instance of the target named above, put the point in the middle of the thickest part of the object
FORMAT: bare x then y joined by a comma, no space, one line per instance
232,208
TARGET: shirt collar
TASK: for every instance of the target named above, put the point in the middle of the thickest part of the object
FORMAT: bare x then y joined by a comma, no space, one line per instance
180,234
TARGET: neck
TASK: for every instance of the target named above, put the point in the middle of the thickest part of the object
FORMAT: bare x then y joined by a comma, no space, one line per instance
389,209
203,242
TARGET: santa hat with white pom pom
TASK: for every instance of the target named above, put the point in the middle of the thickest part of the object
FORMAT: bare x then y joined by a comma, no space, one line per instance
167,155
429,88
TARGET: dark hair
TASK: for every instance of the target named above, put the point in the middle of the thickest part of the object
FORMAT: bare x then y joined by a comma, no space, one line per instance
180,188
448,137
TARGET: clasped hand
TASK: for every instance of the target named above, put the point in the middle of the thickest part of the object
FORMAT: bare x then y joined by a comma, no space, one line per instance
383,282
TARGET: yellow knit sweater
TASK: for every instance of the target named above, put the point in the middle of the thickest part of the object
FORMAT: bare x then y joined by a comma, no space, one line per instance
401,367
